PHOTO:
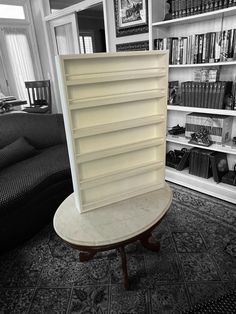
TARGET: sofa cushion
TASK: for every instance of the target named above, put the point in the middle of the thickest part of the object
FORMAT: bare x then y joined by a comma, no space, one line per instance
21,181
16,151
40,130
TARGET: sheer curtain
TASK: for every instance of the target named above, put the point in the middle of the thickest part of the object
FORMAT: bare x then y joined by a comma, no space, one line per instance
64,39
18,51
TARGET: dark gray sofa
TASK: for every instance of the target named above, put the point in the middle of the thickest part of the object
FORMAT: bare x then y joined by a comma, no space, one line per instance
33,188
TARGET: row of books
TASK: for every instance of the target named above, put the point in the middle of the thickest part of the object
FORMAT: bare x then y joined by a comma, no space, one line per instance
200,48
202,163
182,8
206,95
218,126
199,163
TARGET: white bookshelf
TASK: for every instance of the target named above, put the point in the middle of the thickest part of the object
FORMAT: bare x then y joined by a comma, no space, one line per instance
202,110
186,26
208,186
228,148
202,65
197,18
114,107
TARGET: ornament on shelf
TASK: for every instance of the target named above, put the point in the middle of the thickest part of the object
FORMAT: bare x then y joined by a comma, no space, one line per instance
201,137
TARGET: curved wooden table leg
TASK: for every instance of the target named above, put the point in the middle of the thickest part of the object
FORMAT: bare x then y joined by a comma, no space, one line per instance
86,256
150,243
121,250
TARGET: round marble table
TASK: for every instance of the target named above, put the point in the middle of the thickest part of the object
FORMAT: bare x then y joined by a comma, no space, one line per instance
113,226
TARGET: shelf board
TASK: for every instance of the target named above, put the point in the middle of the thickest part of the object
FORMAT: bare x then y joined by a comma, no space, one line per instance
117,126
115,198
197,65
202,110
119,150
115,99
120,174
197,18
116,76
227,148
207,186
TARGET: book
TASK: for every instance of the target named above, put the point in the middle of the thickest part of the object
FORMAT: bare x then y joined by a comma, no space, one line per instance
211,5
183,96
225,3
195,60
217,98
217,47
212,48
230,53
234,45
173,98
205,168
200,48
188,7
199,6
173,9
210,96
226,88
195,6
214,93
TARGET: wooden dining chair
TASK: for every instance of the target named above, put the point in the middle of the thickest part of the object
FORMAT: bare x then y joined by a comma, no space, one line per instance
39,93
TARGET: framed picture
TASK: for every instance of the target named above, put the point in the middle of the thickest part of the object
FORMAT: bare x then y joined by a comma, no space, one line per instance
131,17
219,165
135,46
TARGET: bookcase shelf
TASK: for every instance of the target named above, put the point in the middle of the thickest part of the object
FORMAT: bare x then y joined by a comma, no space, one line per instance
201,65
214,21
114,107
202,110
196,18
220,190
227,148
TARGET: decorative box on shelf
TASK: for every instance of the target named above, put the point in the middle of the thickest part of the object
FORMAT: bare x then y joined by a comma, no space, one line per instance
219,126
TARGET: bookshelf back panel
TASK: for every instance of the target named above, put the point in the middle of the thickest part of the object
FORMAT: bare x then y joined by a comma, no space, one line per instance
123,186
117,112
114,139
112,64
111,88
120,162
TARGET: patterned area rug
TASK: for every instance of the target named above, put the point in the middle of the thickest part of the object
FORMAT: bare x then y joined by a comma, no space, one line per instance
197,263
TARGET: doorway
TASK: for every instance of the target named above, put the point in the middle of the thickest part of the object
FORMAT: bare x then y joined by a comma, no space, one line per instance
91,29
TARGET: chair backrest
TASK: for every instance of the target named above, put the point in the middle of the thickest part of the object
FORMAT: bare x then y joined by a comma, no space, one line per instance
39,92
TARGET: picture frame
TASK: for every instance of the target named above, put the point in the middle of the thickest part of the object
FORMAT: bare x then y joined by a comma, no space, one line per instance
134,46
219,164
131,17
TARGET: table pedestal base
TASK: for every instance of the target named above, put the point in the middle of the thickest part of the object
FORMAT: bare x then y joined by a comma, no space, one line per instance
147,241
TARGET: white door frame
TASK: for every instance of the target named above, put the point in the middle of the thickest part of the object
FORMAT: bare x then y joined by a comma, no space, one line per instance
81,6
68,19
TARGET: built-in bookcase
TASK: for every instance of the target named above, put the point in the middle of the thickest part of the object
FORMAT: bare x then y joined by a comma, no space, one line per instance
114,108
214,21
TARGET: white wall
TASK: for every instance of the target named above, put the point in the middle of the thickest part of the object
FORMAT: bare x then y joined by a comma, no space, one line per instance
113,40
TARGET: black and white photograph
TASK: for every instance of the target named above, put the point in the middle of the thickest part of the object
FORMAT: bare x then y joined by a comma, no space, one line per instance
131,17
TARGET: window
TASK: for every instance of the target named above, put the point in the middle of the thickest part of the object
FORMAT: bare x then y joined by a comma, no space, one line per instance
12,12
18,47
86,43
18,56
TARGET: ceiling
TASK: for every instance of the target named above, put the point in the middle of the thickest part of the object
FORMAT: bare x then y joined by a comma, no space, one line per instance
61,4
